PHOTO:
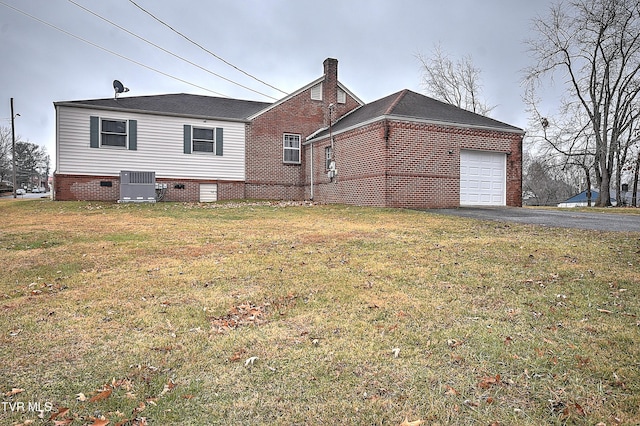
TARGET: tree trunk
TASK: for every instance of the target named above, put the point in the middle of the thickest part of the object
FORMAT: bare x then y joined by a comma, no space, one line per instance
634,201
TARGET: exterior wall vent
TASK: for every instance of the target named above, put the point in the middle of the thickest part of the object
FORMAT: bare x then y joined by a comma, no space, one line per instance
137,187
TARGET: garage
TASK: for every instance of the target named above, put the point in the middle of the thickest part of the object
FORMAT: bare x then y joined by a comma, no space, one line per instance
482,178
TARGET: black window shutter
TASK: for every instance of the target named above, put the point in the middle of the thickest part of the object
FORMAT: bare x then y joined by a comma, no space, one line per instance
219,143
133,135
94,132
187,139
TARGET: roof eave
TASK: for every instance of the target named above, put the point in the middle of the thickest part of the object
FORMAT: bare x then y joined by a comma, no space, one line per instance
142,111
514,130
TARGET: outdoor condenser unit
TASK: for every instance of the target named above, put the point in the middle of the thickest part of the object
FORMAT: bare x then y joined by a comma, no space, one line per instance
137,187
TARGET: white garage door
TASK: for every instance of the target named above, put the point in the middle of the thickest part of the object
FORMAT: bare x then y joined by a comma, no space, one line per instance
482,178
208,192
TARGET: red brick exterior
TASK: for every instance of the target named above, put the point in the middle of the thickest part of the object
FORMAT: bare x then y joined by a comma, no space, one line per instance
407,164
267,176
80,187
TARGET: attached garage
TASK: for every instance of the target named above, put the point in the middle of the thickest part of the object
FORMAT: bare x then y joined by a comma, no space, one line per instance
482,178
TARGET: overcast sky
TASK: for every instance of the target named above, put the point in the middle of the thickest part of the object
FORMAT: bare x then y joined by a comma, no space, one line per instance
282,42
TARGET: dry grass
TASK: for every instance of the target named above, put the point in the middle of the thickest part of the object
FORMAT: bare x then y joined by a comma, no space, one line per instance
264,313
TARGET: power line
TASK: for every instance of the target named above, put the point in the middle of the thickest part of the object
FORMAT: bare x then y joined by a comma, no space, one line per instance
167,51
204,48
109,51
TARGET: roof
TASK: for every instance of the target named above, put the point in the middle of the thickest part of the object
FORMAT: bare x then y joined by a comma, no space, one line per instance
407,104
180,104
582,197
297,92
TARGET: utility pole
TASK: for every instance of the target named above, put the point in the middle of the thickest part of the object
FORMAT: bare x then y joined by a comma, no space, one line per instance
13,152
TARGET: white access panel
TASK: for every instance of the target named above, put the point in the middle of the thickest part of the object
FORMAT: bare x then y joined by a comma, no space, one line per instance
208,192
482,178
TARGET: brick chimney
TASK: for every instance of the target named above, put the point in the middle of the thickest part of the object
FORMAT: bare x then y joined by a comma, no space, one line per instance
330,85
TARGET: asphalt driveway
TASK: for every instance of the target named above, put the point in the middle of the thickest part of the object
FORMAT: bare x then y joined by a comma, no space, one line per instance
551,218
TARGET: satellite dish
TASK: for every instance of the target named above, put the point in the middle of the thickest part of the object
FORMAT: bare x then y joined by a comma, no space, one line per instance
118,87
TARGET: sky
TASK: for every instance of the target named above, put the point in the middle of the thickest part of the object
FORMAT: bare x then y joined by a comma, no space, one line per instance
281,42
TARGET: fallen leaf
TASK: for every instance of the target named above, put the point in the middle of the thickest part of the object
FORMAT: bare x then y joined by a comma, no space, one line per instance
61,412
406,422
99,422
14,391
187,396
396,352
102,395
140,407
170,385
487,382
605,311
450,391
250,361
63,422
81,397
237,355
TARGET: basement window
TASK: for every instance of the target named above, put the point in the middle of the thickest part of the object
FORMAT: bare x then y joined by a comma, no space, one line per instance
291,148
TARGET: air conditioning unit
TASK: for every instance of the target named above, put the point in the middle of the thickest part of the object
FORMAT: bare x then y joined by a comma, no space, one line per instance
137,187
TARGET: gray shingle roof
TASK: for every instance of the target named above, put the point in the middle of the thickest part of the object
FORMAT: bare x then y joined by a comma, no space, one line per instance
411,105
177,104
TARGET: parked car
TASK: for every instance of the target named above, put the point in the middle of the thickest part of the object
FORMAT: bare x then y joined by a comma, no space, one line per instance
20,191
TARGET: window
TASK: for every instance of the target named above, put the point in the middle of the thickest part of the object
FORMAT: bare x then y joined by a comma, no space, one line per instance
203,140
291,148
342,96
328,156
113,133
109,132
316,92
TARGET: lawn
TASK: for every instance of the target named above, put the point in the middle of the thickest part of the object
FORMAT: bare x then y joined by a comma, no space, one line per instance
294,314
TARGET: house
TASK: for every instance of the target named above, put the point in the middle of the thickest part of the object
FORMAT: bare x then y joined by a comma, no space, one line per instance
581,200
321,142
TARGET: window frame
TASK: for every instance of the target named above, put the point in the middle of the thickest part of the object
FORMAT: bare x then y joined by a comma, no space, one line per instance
194,140
104,133
328,156
289,137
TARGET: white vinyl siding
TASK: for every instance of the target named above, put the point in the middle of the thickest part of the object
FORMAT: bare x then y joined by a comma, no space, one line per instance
160,147
482,178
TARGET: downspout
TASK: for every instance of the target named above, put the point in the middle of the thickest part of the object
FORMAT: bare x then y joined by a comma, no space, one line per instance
311,194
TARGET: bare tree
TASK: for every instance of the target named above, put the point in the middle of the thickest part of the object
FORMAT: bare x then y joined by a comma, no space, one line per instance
544,180
457,83
5,153
596,45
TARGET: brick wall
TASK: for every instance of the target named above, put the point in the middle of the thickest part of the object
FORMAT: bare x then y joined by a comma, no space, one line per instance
267,176
94,188
408,165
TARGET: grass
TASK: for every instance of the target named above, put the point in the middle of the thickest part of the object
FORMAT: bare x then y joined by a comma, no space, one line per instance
269,313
